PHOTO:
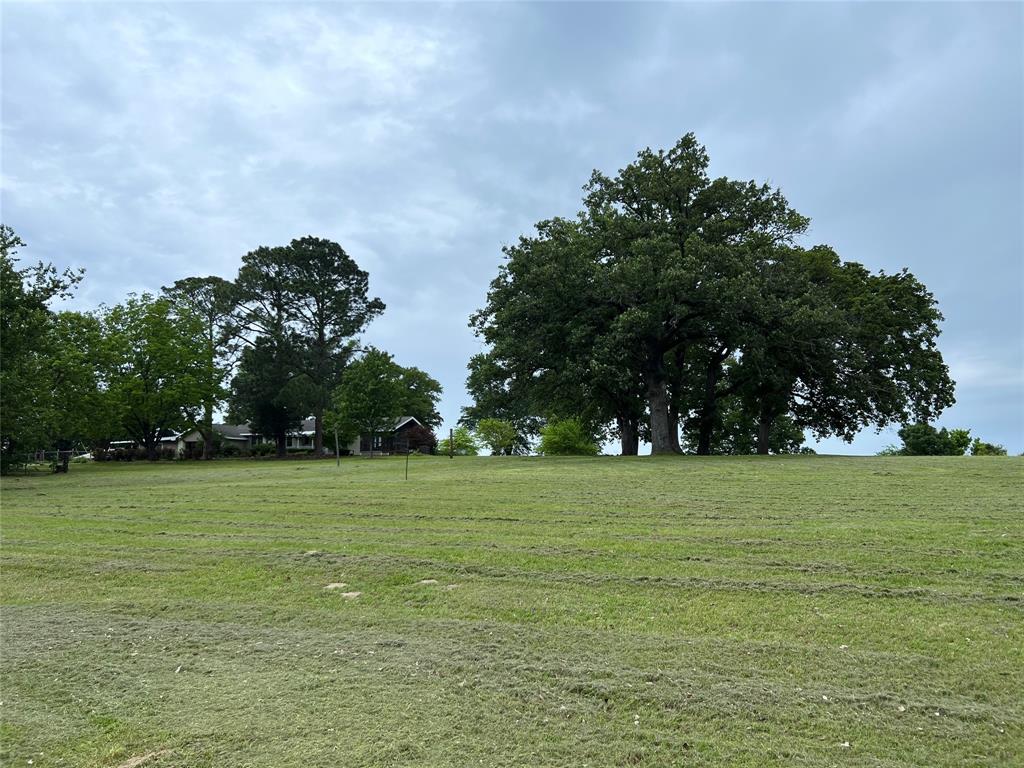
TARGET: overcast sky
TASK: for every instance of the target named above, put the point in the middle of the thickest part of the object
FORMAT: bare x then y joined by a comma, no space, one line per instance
152,142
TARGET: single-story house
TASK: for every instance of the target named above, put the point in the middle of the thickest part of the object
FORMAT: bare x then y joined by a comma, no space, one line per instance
398,439
242,435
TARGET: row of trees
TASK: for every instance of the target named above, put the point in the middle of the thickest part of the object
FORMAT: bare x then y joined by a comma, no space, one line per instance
74,378
679,309
558,437
277,345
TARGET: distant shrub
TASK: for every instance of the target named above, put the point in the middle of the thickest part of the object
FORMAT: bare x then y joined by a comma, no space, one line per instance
464,443
229,450
924,440
498,435
263,449
978,448
566,437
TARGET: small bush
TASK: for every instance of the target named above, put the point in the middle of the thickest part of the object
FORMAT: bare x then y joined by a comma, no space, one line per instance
567,437
263,449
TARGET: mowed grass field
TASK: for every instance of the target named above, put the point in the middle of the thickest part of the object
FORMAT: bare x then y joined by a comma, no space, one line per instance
576,612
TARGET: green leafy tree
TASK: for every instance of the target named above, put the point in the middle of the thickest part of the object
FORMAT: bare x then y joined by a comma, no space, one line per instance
261,297
497,394
212,299
838,349
311,299
566,437
328,305
635,308
679,252
499,436
269,391
26,338
156,360
925,440
673,293
959,441
979,448
370,397
85,411
460,443
546,312
421,394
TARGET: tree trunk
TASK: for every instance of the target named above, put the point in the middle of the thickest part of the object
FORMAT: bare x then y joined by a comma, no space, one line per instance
706,427
661,431
208,432
765,419
629,435
318,431
673,425
706,421
764,428
282,444
675,391
151,448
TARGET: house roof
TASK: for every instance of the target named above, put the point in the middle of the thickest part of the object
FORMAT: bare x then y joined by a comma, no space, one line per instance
233,431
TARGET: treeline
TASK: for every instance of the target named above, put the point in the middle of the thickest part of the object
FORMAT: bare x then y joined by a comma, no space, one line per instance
678,309
275,345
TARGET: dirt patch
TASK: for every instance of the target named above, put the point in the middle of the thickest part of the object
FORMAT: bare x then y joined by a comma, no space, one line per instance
427,582
139,760
351,595
336,585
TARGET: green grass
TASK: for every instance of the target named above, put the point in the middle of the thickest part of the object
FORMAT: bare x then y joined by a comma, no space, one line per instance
727,611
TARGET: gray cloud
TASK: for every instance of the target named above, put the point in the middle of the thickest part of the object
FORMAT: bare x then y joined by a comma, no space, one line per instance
147,143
